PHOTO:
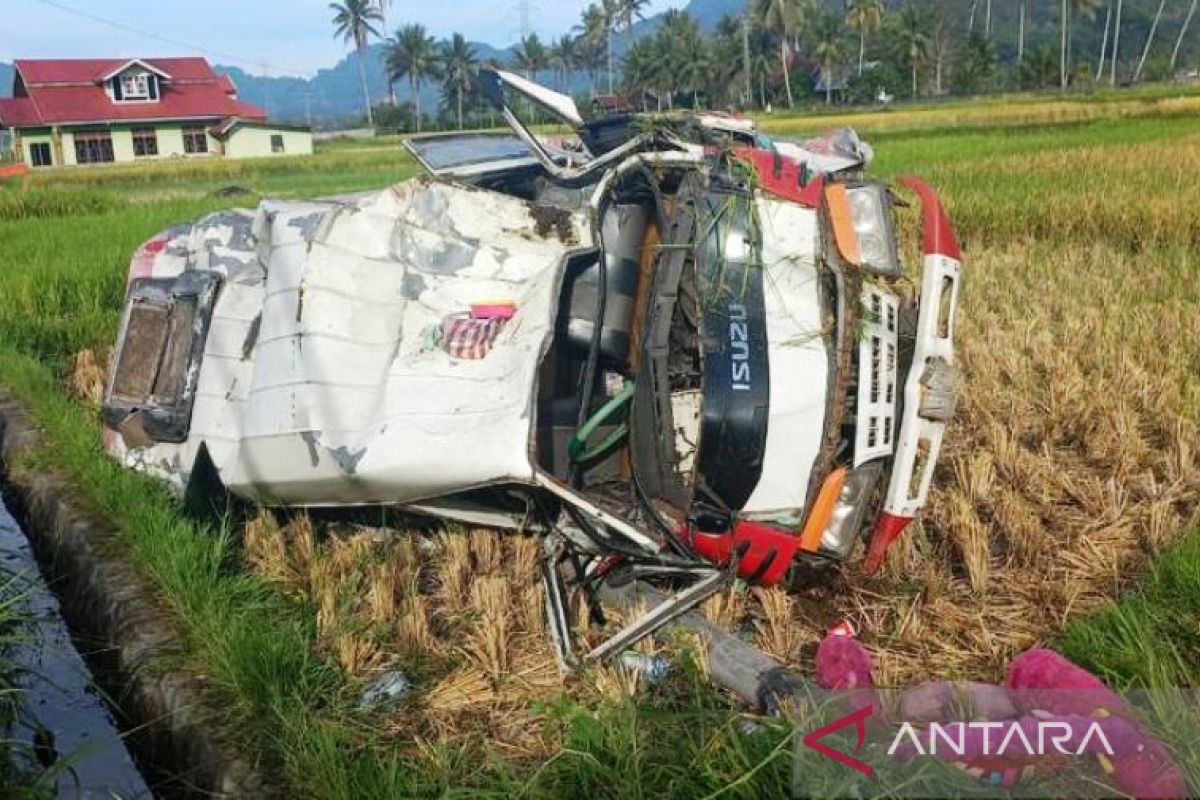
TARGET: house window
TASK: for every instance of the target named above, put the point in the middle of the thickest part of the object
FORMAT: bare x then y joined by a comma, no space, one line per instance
277,143
195,140
145,142
93,148
135,86
39,154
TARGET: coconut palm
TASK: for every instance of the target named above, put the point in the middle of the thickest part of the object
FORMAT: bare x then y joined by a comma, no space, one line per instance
595,32
531,56
563,59
1187,22
639,69
916,40
383,6
628,11
684,51
864,16
1104,41
1021,31
355,21
783,18
413,54
1112,78
1068,9
611,10
458,71
728,61
830,50
1137,75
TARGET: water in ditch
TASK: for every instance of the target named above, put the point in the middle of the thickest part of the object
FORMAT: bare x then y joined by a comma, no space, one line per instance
64,720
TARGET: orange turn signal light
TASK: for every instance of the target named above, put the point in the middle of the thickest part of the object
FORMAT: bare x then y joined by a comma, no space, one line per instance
844,235
822,510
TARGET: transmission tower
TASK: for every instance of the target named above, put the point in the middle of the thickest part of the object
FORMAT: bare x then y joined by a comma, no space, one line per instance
525,13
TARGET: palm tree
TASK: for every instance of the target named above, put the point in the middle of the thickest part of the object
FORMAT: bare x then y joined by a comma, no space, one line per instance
1137,76
530,56
1104,42
1021,32
354,21
783,18
865,16
628,11
639,69
458,71
383,6
683,53
1187,21
412,53
564,59
611,11
1112,78
829,50
1085,8
595,34
916,40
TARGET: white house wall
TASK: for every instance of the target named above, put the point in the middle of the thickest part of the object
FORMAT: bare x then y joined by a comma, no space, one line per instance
255,142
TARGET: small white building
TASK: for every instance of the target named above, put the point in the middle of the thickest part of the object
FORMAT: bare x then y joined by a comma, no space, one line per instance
65,112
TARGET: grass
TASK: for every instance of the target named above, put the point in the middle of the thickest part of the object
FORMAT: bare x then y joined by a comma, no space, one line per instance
20,774
1071,479
1005,110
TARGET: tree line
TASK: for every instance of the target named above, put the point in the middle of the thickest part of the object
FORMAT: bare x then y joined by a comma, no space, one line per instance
780,52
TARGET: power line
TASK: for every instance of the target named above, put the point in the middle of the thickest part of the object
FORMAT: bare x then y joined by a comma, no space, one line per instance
524,11
167,40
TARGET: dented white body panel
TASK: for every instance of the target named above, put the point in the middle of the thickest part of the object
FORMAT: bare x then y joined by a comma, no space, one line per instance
318,384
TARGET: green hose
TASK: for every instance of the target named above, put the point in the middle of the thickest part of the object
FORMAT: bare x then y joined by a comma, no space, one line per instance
577,448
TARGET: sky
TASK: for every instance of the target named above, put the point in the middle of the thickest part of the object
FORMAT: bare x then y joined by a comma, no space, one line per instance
262,36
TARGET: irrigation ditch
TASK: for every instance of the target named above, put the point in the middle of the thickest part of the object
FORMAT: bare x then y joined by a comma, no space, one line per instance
182,743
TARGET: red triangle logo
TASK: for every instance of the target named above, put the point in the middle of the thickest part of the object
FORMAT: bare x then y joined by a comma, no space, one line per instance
858,720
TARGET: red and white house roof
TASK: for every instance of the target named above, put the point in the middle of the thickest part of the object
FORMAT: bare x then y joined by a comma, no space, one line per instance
75,91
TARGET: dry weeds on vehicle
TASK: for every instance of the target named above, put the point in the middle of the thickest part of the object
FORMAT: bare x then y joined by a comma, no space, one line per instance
1075,457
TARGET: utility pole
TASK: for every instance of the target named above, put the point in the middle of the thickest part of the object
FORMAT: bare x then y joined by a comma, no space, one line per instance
524,12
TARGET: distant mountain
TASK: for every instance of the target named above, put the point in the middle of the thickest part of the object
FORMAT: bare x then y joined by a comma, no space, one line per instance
334,95
6,79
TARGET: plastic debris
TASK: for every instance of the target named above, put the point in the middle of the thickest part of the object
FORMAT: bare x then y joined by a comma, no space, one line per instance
387,688
652,667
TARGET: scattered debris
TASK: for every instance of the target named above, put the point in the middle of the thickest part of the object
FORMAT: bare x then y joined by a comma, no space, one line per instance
387,688
232,191
653,667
